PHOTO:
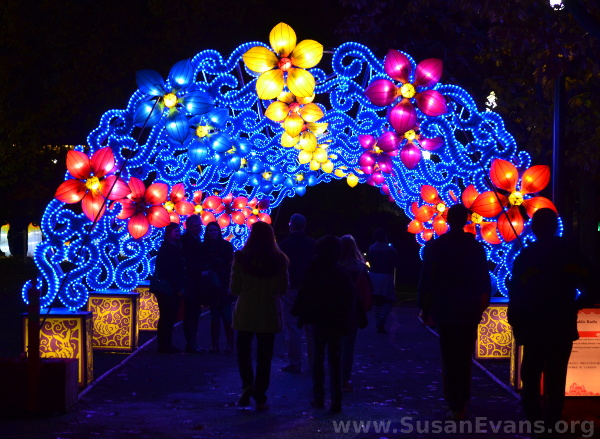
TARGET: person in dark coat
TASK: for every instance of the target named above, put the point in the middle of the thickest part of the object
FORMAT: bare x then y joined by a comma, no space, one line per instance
217,255
454,290
382,261
543,310
300,249
327,300
169,267
195,296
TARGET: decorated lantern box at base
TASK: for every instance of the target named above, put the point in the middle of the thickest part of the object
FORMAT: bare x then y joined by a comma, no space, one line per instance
66,334
494,334
148,313
115,320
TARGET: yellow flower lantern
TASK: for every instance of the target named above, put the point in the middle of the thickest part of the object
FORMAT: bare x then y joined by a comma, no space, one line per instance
285,64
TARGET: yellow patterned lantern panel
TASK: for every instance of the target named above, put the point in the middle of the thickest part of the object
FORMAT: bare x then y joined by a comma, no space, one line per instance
66,334
148,313
494,334
115,320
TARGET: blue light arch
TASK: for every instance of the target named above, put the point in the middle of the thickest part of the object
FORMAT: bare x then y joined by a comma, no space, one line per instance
155,144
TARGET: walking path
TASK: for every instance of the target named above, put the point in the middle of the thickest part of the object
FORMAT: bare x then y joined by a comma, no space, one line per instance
397,388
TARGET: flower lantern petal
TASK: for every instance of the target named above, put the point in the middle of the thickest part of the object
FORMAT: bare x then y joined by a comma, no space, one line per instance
184,207
102,162
307,54
535,179
402,116
199,152
70,191
177,193
174,217
240,202
470,228
427,234
147,114
217,117
415,226
277,111
432,103
489,232
504,175
138,225
207,217
377,178
367,159
78,165
431,144
397,65
488,204
212,202
265,218
506,225
293,124
238,218
388,141
311,112
251,220
224,220
156,194
158,216
308,141
199,102
410,155
288,141
430,194
469,195
439,225
93,206
177,126
381,92
301,82
304,157
128,209
269,84
283,39
220,142
263,204
182,74
366,141
259,59
535,203
150,82
428,72
385,163
414,207
114,188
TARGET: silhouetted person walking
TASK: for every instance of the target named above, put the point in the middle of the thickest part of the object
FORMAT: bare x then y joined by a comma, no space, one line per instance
543,314
382,260
327,300
169,267
259,278
300,249
194,291
454,290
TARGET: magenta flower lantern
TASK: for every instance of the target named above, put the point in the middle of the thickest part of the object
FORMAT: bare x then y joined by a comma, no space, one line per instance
378,155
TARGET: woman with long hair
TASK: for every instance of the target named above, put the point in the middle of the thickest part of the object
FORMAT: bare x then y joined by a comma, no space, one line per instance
170,268
259,278
353,260
218,254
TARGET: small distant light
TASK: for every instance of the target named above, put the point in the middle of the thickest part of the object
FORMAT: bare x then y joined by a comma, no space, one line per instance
426,155
54,161
491,102
557,5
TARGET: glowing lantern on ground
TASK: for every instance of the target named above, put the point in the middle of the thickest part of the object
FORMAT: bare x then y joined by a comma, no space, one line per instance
4,247
34,237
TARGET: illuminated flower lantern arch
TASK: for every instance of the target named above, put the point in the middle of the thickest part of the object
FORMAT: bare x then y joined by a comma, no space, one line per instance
231,138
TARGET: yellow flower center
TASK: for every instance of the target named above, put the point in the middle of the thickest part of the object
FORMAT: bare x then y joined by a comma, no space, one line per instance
299,177
170,100
93,184
377,150
441,207
410,135
197,209
284,64
255,211
476,218
407,91
170,206
267,175
516,198
202,131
